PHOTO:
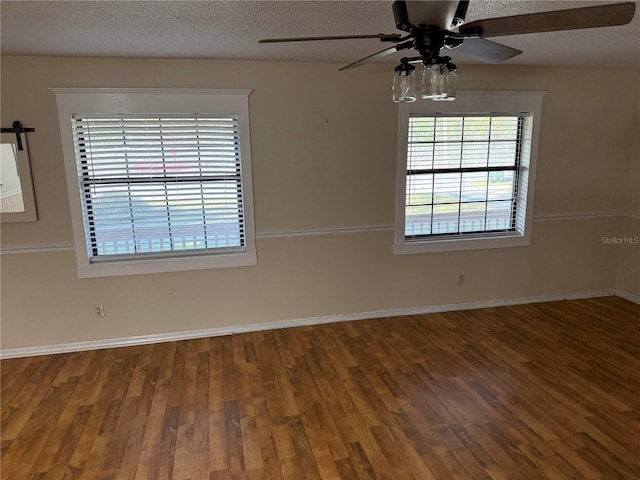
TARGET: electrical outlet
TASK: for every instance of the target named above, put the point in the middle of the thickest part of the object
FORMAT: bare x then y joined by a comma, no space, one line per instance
461,279
98,310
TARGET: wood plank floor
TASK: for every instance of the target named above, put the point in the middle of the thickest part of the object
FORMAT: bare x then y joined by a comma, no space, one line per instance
541,391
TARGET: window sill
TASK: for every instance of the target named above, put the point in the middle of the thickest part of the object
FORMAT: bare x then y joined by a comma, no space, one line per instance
459,244
179,264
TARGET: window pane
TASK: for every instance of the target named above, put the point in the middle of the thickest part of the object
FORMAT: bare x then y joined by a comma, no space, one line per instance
499,215
504,128
446,188
501,186
419,156
143,147
445,219
477,129
449,129
421,129
474,187
474,154
447,155
502,154
419,189
472,217
130,219
418,220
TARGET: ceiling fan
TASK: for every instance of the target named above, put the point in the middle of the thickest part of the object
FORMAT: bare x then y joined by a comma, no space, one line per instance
432,26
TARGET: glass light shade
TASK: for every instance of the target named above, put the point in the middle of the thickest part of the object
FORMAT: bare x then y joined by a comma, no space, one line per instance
452,82
434,81
404,86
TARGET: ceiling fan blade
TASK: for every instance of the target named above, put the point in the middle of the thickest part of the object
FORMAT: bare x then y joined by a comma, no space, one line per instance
460,14
571,19
486,50
377,55
381,36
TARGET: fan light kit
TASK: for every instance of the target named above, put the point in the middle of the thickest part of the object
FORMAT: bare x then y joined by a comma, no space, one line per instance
438,81
432,26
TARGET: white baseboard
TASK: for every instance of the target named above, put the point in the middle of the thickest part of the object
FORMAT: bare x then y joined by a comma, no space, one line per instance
254,327
628,296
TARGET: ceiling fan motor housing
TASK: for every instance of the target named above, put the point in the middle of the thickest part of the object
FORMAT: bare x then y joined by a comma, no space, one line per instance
428,41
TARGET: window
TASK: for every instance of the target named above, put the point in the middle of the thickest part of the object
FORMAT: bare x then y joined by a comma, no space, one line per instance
466,172
462,174
154,192
154,185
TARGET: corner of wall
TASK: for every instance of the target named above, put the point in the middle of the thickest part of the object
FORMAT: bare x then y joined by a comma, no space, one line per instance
628,272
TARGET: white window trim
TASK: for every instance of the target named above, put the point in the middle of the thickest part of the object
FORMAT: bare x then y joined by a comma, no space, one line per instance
469,103
154,101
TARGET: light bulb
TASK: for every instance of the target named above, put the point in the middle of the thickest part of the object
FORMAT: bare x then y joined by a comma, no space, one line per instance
451,79
434,81
452,84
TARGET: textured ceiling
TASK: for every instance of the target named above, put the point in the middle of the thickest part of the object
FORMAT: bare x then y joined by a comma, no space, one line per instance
231,30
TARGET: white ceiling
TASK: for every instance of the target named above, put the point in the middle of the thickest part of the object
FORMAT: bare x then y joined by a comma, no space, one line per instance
231,30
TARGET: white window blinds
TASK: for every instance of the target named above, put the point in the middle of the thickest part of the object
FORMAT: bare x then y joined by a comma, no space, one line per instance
159,185
462,174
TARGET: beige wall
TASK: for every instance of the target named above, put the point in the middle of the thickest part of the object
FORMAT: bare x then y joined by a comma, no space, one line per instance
324,154
628,279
